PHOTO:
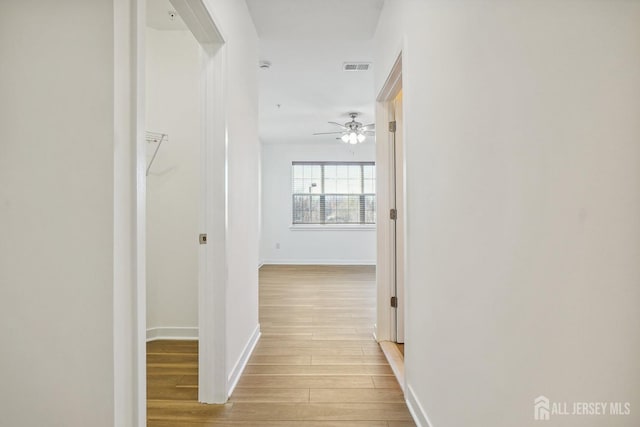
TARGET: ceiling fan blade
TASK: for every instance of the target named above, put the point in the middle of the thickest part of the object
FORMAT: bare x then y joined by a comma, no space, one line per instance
369,126
338,124
328,133
369,132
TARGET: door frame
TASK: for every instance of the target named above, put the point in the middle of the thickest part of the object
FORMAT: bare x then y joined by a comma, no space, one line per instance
385,329
129,223
129,192
397,184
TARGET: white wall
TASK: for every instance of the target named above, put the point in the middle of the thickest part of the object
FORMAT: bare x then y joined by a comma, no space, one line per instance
173,185
523,205
57,214
324,246
243,160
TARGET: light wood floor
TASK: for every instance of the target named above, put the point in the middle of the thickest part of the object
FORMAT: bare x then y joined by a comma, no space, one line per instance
316,364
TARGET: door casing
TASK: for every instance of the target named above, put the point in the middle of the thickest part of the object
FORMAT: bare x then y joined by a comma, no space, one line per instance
385,329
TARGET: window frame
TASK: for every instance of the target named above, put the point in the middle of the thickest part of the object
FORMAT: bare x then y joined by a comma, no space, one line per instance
323,225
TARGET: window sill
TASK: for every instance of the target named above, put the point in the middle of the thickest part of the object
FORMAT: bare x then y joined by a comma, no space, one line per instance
332,227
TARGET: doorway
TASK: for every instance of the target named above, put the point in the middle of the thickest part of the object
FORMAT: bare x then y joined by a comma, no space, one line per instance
390,327
397,206
173,124
186,185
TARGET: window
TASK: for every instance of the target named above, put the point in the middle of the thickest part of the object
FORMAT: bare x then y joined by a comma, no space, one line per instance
334,192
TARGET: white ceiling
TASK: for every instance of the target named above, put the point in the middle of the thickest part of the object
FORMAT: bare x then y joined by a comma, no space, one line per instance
307,41
315,19
307,80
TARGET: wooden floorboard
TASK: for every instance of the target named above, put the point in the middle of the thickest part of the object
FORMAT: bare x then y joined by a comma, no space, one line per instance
316,364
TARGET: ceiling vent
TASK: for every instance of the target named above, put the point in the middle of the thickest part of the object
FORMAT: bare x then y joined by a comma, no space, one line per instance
356,66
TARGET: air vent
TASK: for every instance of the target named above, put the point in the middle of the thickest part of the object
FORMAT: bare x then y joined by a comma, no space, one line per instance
356,66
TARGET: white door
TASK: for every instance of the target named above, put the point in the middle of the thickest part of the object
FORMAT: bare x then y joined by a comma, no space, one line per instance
397,202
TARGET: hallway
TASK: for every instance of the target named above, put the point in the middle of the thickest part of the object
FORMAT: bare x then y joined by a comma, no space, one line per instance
316,364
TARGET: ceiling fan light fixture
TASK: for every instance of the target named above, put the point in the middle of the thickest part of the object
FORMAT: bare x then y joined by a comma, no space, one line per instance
352,132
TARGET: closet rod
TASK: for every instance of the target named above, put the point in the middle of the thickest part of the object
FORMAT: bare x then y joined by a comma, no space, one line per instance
158,138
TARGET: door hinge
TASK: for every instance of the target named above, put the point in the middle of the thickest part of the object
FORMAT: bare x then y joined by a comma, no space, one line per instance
394,302
392,126
203,239
393,214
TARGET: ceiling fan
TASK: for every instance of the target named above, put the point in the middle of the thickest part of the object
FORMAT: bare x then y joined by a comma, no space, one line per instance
352,132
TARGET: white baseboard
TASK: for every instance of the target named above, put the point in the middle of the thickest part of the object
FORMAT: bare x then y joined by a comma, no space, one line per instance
417,411
172,333
319,262
238,368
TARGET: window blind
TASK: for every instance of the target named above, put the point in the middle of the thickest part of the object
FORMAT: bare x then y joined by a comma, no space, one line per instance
333,193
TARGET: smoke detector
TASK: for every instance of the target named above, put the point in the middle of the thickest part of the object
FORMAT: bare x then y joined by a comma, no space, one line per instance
264,64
